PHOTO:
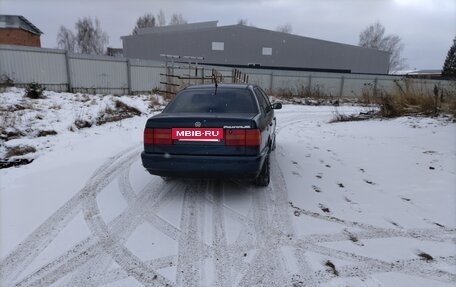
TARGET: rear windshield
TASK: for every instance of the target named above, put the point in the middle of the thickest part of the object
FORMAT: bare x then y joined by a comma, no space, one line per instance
205,101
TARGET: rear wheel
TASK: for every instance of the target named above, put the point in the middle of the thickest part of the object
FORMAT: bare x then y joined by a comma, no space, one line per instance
166,178
264,176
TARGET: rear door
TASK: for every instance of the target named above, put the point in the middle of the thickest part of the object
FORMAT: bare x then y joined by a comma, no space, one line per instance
267,115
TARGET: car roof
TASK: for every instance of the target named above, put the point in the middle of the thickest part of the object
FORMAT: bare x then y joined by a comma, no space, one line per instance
220,86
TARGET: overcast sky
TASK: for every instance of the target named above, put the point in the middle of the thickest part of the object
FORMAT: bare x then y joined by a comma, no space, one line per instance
427,27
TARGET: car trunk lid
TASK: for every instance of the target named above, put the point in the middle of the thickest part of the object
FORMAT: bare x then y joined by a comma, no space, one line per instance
240,134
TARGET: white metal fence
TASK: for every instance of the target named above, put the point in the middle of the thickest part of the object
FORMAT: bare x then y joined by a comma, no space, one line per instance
62,71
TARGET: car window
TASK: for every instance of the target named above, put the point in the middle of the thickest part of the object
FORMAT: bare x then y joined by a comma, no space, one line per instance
205,101
265,96
262,101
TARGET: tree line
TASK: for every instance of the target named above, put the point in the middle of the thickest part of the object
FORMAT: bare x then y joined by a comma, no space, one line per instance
89,38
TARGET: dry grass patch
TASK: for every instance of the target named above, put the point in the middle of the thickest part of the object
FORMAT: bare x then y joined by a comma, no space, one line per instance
11,133
13,163
81,124
121,111
362,116
411,103
314,96
408,100
45,133
283,94
19,150
153,101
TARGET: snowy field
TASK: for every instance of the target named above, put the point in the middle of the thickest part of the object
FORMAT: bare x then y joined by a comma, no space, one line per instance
368,203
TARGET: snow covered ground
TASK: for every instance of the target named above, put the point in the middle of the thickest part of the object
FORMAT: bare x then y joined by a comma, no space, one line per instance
368,203
29,122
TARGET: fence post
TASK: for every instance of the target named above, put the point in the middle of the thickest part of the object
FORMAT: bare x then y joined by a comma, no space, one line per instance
202,75
67,63
271,83
310,83
375,88
341,92
129,76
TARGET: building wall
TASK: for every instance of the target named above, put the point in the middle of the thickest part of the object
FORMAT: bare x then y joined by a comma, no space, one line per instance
14,36
244,45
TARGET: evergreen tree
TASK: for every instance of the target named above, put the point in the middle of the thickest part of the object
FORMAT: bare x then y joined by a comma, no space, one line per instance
449,67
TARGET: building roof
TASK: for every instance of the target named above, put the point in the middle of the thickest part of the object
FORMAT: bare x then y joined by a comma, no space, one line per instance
19,22
178,27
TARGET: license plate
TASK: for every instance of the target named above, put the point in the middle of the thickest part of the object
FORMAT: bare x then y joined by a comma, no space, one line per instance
197,134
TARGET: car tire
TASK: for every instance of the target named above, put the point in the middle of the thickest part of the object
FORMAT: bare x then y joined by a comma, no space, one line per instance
265,175
166,178
273,147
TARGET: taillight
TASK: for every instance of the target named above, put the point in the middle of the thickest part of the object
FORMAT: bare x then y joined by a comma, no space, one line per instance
148,136
235,137
252,137
243,137
162,136
157,136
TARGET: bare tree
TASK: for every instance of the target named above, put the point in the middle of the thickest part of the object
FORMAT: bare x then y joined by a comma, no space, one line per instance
374,37
242,22
161,20
66,39
89,36
177,19
148,20
285,28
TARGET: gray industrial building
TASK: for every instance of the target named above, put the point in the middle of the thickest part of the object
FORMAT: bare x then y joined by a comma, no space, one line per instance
246,46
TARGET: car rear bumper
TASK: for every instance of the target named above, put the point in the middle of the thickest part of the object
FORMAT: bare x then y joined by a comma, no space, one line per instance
203,166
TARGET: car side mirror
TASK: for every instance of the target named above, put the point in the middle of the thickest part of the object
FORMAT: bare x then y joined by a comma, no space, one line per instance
276,106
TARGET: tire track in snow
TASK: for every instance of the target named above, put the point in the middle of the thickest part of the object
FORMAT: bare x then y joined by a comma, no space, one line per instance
18,260
266,268
121,226
120,229
84,276
370,231
150,199
102,261
124,257
279,192
366,266
68,262
188,259
221,257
